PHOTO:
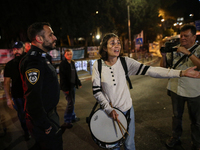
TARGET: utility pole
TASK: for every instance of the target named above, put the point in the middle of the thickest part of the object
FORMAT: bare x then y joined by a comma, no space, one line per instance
129,29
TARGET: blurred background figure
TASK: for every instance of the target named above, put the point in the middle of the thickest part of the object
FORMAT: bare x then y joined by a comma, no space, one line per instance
27,46
69,81
14,93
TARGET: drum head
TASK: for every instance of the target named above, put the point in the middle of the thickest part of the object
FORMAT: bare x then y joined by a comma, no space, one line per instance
103,129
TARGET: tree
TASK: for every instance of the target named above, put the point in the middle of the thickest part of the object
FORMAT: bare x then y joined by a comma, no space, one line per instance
78,18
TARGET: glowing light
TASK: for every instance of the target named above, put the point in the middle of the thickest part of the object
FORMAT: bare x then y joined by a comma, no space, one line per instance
97,37
180,19
162,20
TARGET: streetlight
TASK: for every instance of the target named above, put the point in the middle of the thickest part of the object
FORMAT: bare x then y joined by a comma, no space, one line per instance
191,15
97,36
180,23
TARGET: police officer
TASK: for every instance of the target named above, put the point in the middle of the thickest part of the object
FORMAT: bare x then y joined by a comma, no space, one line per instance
41,88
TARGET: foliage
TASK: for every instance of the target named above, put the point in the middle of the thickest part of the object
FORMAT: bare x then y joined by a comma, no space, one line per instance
78,18
169,32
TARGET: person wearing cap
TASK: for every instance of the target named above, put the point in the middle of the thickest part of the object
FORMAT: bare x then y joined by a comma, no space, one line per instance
14,94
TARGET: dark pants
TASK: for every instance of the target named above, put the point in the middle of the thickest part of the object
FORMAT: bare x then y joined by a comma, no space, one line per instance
51,141
69,112
19,107
178,103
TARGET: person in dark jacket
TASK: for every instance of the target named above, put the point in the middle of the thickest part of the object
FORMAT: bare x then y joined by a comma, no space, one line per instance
69,81
41,88
14,93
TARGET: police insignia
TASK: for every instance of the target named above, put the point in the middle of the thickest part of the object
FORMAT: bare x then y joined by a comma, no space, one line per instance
32,75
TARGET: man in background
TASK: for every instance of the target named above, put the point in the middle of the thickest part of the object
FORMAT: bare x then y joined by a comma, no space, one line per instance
14,93
69,81
185,89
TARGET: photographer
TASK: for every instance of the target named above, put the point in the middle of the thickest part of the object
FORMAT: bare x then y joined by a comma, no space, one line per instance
184,89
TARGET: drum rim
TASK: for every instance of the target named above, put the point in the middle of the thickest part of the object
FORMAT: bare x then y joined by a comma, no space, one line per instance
125,135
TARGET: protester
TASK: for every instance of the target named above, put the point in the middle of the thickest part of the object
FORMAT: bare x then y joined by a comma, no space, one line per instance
41,88
14,93
69,81
184,90
111,87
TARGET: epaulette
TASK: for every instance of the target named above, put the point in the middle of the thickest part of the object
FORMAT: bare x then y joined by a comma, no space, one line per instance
35,53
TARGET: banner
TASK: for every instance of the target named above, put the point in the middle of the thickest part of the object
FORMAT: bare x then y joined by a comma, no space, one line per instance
93,51
6,55
78,53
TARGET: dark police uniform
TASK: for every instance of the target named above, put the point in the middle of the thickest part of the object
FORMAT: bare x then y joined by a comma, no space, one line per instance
41,89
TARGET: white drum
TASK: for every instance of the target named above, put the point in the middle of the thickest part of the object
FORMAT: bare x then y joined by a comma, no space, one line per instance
105,131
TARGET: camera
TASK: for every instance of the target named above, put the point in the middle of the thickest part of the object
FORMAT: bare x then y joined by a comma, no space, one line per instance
169,47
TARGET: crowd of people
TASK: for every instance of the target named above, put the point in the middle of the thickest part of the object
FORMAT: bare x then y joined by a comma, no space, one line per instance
35,88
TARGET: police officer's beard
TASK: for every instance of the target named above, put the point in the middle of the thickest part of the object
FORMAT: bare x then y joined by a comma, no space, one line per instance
50,46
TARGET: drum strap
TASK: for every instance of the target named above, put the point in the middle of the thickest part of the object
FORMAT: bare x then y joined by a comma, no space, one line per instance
92,112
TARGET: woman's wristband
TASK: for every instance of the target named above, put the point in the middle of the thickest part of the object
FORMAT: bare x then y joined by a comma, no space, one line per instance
180,73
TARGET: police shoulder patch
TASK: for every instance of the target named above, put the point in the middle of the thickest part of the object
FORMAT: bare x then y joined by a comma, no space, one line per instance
32,75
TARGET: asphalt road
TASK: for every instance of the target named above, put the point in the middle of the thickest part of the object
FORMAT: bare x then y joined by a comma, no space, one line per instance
153,113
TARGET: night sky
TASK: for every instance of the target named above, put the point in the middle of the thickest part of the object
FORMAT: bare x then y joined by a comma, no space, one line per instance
22,13
182,8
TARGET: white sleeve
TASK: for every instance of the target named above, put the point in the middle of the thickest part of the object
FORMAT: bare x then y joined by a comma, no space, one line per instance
137,68
159,72
97,90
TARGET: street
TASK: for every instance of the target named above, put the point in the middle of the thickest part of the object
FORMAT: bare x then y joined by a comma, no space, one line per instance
152,119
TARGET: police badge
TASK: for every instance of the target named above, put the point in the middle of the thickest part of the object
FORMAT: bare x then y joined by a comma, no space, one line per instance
32,75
